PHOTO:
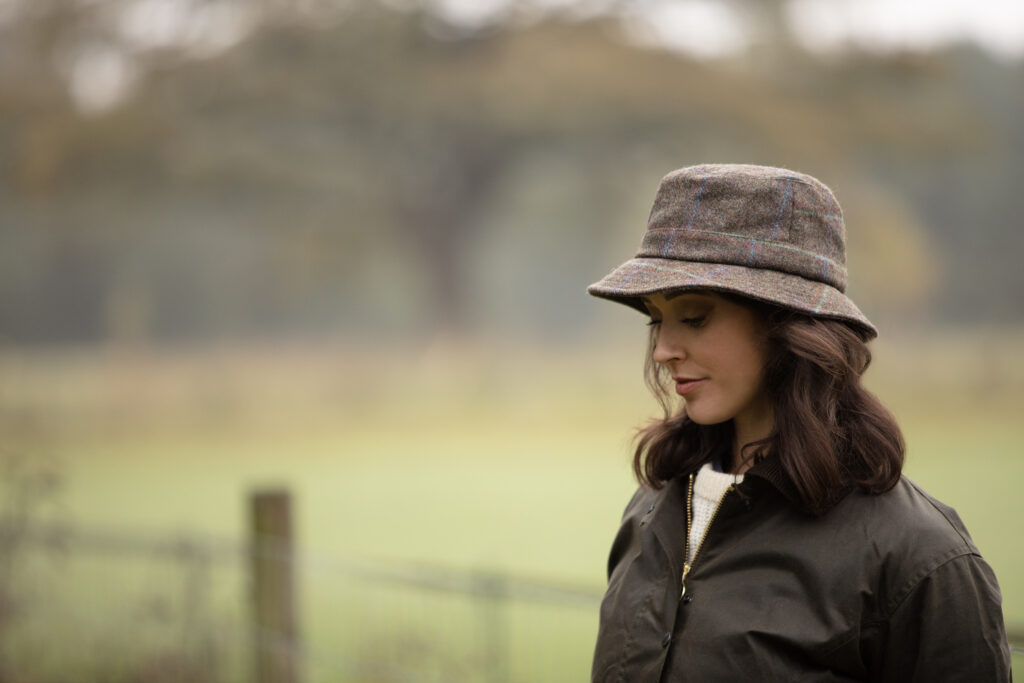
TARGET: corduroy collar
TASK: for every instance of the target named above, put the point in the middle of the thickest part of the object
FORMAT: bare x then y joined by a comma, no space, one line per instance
771,472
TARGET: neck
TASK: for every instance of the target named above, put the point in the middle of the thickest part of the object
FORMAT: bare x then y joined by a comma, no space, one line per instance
746,430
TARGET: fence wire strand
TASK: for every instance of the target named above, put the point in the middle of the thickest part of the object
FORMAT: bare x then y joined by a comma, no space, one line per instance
479,598
476,586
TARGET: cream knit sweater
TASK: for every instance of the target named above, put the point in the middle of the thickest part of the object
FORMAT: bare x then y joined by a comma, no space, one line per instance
708,489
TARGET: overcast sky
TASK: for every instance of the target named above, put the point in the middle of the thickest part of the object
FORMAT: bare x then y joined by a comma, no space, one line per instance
712,28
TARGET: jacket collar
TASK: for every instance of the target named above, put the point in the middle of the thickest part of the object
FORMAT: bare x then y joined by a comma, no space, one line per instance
668,514
771,472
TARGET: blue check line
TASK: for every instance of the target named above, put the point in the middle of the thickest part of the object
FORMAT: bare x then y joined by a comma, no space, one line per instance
693,216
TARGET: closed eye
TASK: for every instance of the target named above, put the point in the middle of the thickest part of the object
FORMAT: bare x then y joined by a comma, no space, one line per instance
652,322
694,322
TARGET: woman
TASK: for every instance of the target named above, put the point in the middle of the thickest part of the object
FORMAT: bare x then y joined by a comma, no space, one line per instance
773,537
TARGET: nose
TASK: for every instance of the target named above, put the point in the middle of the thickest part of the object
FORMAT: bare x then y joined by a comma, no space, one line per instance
666,347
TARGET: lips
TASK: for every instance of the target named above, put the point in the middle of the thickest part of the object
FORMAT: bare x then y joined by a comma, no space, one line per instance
685,385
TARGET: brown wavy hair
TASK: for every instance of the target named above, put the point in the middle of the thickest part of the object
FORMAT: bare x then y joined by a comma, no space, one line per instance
830,432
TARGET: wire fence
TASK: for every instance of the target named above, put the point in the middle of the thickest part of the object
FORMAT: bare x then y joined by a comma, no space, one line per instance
151,609
183,606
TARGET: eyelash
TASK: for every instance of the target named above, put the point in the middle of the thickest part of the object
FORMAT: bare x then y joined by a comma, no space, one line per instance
692,322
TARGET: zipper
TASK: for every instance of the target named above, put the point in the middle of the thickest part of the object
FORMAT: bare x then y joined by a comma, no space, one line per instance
688,565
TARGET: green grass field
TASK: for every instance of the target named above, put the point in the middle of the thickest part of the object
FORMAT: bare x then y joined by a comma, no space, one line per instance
515,461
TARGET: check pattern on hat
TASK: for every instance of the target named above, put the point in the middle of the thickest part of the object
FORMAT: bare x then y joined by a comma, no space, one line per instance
763,232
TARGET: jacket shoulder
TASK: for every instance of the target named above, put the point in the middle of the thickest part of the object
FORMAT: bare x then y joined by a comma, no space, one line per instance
939,596
910,535
912,514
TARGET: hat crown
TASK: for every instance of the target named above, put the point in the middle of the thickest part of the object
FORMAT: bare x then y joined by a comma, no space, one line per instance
750,216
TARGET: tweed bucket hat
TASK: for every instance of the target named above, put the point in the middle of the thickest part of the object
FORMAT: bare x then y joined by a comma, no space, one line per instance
766,233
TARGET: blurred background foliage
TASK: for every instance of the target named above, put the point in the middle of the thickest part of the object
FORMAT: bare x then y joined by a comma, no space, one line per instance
365,168
342,245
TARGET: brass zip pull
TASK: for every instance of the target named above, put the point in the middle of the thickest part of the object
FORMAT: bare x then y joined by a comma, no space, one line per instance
686,570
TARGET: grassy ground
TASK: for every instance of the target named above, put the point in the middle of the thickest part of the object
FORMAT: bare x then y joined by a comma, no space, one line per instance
491,458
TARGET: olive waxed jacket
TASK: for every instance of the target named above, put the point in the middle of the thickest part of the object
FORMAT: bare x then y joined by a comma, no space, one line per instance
887,588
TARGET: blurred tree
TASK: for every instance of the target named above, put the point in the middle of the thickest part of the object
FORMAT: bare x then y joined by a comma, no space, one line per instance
344,174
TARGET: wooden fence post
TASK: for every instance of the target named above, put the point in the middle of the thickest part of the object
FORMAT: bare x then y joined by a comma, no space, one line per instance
493,595
275,634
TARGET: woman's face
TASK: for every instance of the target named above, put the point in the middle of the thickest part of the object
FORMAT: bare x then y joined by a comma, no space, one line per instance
713,348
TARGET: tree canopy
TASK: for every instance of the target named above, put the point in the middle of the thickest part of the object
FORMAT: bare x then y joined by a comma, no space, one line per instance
372,174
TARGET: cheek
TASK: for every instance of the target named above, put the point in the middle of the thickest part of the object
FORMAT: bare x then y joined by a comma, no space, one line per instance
745,365
755,371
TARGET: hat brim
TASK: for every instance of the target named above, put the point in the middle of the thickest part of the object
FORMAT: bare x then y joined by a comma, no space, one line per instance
644,276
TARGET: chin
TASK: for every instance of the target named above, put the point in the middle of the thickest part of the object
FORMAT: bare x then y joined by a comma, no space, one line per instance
705,418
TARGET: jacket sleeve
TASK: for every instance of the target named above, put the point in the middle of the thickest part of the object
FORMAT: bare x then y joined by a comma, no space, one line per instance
949,628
